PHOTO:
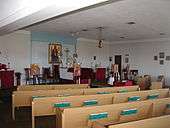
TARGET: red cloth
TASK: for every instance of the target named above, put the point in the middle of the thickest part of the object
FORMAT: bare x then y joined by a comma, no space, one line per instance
7,79
117,83
127,83
100,74
84,81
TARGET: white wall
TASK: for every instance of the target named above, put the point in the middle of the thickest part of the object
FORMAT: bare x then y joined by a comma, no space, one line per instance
141,56
87,49
18,49
40,53
15,49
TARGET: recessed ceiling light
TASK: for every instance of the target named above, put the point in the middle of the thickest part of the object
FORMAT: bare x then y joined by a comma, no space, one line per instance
84,30
162,33
122,37
131,23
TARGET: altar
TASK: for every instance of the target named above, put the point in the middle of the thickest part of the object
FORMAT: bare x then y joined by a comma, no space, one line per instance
88,74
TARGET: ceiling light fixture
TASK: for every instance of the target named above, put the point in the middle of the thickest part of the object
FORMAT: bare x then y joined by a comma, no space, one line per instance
162,33
100,40
131,23
122,37
84,30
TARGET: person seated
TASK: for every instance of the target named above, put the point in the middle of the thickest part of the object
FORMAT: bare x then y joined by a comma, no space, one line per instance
111,80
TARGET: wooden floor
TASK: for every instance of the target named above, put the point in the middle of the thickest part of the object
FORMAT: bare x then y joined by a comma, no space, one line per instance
23,117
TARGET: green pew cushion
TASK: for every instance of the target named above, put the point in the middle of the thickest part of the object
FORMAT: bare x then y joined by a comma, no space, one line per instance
133,98
129,112
90,102
153,96
122,91
98,116
34,97
103,93
62,104
168,106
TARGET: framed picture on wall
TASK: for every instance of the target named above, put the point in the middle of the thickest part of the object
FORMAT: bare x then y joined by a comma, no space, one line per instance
168,58
161,55
54,53
126,60
161,62
110,58
155,57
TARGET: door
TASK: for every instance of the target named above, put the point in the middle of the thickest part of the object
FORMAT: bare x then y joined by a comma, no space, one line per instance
118,61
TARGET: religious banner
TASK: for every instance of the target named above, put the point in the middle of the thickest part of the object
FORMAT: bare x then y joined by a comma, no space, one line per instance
115,68
77,70
34,69
54,53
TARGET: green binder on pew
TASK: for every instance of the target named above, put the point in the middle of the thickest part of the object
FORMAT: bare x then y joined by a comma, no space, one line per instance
103,93
34,97
90,102
98,116
122,91
62,105
153,96
134,98
168,106
129,112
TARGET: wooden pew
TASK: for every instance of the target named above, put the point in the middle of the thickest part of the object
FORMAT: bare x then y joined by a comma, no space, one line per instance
91,91
84,115
159,107
51,87
142,95
156,85
24,98
157,122
107,115
45,106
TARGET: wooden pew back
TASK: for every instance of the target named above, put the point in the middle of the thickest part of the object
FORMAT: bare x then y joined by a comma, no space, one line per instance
156,85
158,108
24,98
51,87
161,107
144,109
143,95
45,106
91,91
81,115
40,105
157,122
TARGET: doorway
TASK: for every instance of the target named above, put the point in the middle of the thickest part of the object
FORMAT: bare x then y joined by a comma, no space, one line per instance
118,61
